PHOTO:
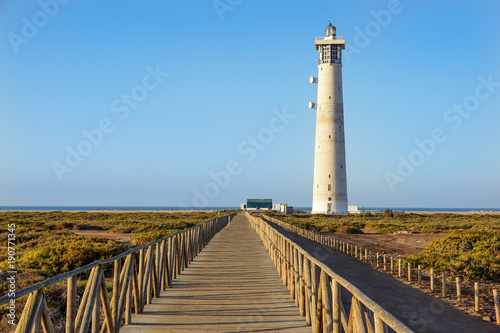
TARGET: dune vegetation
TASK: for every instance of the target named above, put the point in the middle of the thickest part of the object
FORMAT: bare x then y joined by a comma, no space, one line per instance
471,252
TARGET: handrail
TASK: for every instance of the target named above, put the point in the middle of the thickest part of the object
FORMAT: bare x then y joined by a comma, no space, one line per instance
287,257
143,276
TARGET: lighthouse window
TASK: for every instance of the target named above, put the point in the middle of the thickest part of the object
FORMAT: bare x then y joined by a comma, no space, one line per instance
329,199
329,187
329,176
338,88
341,166
329,137
329,97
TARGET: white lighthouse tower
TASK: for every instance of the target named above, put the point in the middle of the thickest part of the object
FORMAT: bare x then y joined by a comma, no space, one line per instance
330,180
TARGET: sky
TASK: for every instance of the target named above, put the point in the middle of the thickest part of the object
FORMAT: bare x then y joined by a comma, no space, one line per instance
205,103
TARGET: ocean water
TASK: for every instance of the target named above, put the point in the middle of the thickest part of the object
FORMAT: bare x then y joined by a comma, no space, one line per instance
89,208
160,208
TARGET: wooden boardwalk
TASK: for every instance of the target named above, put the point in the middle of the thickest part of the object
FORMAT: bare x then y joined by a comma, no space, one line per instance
231,286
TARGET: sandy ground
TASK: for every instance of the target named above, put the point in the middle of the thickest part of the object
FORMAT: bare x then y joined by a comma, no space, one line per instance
389,243
122,238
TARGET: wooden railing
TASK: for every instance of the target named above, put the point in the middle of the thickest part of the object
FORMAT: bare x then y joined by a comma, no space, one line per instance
317,289
138,275
393,264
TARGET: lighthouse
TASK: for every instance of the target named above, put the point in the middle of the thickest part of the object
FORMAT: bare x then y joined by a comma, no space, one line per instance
330,179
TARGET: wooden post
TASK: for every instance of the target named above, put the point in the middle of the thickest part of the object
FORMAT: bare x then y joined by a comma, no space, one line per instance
497,305
71,305
30,312
108,317
380,327
385,262
476,297
96,314
141,276
419,274
47,325
296,276
116,286
302,291
459,290
327,302
128,305
432,279
307,274
377,260
371,257
318,304
83,300
366,255
392,265
315,305
443,282
400,268
409,271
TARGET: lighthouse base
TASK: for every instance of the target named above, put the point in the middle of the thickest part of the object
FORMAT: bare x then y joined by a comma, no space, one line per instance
329,207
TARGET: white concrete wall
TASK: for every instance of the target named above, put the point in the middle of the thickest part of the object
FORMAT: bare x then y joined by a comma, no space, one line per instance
330,180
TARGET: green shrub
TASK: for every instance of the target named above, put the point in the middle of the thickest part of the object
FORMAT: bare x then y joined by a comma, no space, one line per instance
471,255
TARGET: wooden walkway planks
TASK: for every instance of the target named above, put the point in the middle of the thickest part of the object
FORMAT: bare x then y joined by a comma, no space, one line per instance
231,286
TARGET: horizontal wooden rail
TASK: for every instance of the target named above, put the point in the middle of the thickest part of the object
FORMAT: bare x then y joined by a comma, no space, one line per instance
144,271
316,289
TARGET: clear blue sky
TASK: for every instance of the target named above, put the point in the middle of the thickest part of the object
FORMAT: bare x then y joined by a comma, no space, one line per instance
233,66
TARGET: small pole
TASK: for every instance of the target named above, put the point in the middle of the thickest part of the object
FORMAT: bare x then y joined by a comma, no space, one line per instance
476,297
459,290
392,265
400,268
443,278
432,279
409,271
378,260
385,262
419,274
366,255
497,305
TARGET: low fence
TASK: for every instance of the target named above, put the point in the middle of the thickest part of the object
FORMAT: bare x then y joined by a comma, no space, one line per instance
393,265
317,289
138,275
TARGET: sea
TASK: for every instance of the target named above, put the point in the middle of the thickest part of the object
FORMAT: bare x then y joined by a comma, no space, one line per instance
162,208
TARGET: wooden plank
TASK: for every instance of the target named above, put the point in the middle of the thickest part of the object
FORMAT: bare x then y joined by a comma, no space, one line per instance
231,286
